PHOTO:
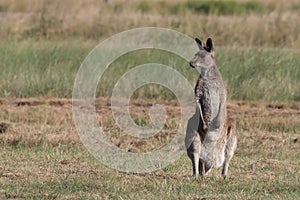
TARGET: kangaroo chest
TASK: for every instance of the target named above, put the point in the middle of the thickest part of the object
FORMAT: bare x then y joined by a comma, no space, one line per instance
207,94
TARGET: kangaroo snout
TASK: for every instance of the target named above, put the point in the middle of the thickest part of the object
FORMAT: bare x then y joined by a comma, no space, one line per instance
191,64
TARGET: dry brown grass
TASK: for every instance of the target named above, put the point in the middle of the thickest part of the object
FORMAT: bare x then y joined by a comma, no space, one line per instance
37,121
41,148
49,122
34,122
96,20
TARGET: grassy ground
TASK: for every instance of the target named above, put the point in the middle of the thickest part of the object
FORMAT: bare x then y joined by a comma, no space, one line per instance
30,68
43,158
42,47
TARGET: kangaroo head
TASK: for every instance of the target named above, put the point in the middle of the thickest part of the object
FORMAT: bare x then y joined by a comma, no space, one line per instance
204,58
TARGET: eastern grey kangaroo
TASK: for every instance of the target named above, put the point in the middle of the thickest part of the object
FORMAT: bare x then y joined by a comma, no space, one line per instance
211,135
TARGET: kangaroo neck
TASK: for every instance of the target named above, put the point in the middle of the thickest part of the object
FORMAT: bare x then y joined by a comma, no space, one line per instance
208,71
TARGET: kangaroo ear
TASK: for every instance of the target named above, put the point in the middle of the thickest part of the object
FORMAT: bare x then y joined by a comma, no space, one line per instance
209,45
199,43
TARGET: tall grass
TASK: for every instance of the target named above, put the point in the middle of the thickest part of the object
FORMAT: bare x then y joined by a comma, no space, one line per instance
33,68
240,23
261,74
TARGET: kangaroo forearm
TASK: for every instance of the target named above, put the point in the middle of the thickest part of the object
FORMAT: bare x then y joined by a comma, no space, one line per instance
201,116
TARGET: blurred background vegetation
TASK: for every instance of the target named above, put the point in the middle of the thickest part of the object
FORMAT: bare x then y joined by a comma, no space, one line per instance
43,43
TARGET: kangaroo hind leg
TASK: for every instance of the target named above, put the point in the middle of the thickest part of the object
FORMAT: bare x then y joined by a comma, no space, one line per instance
230,147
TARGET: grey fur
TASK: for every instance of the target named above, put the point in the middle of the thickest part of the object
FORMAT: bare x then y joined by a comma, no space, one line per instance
211,136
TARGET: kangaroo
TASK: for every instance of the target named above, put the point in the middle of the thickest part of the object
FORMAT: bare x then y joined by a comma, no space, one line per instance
211,135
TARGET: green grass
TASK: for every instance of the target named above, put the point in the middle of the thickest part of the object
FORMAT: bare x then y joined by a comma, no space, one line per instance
261,74
204,7
225,7
32,68
295,7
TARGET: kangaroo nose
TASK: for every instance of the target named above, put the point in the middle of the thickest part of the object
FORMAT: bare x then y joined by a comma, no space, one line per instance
191,64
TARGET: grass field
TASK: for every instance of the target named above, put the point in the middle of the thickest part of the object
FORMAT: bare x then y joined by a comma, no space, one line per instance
34,69
42,47
43,158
